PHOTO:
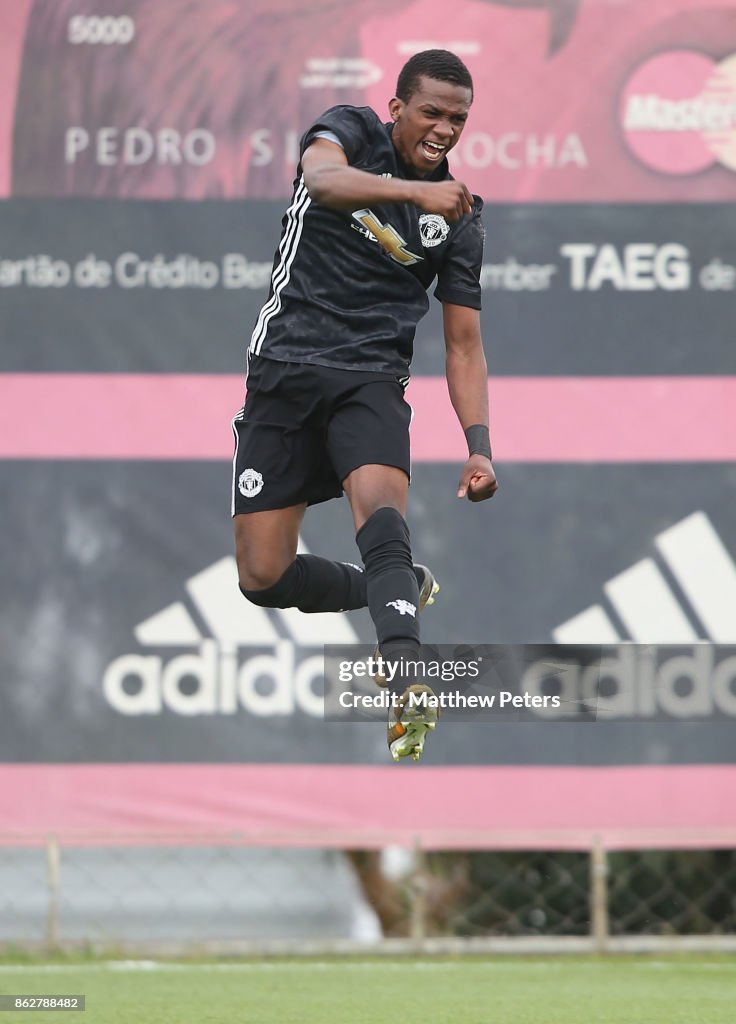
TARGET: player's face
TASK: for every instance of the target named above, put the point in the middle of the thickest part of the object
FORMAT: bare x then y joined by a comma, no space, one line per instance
430,123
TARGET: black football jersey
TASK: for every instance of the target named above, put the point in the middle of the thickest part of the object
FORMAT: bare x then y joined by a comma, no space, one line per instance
349,287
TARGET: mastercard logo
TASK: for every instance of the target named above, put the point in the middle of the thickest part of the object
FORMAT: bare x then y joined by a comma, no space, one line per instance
678,112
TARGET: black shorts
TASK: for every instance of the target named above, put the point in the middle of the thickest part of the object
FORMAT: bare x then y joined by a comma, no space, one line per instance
305,428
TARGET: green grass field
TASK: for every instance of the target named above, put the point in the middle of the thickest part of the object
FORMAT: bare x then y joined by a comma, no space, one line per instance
677,990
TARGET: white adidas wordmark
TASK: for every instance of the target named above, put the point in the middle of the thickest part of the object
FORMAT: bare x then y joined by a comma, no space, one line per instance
140,684
646,605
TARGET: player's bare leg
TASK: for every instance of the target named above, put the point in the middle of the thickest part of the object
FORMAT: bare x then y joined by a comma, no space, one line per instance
372,487
266,544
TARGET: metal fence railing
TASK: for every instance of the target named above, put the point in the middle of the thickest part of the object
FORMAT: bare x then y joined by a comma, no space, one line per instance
248,898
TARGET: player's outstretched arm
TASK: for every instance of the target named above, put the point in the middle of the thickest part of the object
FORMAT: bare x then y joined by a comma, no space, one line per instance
467,382
331,181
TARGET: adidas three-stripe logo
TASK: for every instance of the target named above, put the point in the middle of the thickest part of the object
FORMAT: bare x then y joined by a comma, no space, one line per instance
234,622
646,604
214,676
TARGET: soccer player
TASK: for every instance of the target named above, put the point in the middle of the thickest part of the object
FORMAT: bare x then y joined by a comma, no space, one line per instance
374,219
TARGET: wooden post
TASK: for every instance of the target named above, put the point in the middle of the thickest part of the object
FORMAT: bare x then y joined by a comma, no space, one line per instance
418,907
599,896
53,875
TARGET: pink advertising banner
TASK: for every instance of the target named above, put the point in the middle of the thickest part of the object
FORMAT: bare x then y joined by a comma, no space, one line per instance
461,807
128,416
576,100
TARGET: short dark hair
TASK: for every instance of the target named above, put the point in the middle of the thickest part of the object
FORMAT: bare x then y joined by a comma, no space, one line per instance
442,65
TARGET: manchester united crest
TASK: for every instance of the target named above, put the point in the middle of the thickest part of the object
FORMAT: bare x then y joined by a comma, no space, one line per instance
250,483
433,228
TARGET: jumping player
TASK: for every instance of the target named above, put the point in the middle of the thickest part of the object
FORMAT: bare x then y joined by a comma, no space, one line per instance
375,218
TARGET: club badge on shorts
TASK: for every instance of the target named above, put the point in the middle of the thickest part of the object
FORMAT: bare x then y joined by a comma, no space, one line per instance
433,228
250,483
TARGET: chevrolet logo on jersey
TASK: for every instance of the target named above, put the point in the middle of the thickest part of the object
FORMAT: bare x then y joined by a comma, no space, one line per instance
387,237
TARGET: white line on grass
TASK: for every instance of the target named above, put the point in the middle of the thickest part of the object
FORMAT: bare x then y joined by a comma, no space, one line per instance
307,965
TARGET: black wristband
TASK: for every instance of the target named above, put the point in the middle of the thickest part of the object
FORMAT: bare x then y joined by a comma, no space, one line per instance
479,440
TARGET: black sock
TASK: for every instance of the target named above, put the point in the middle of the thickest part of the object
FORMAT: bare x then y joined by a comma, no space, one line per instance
400,659
314,584
330,586
393,590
